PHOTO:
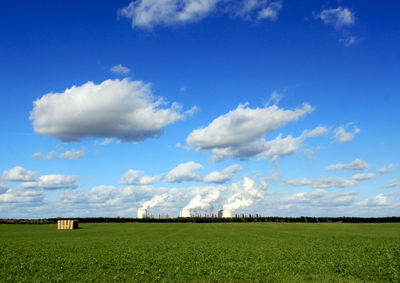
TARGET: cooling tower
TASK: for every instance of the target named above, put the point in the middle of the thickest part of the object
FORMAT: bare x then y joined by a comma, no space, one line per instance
224,213
141,213
184,213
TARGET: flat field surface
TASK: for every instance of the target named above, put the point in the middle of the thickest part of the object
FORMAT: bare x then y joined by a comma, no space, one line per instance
216,252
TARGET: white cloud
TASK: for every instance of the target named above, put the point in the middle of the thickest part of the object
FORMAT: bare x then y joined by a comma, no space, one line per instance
356,165
191,111
263,149
48,156
184,172
243,125
105,142
150,13
120,70
274,98
280,147
22,196
72,154
239,133
132,177
378,200
388,169
223,176
330,182
363,176
319,198
244,195
394,183
104,195
348,40
341,136
318,131
114,108
182,89
52,182
19,174
338,18
271,11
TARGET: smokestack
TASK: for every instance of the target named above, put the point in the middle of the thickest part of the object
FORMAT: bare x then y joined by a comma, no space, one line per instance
141,213
224,213
185,213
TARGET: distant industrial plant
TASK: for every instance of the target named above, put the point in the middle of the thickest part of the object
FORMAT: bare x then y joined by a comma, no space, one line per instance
186,213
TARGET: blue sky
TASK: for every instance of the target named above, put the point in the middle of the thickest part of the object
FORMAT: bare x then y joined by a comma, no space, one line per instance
282,108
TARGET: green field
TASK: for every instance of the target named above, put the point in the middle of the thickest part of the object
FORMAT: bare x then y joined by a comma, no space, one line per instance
219,252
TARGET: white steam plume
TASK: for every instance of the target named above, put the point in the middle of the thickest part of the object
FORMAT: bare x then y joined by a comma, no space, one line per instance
154,201
200,202
245,195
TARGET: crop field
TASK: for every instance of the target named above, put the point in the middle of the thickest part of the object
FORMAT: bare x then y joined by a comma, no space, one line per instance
216,252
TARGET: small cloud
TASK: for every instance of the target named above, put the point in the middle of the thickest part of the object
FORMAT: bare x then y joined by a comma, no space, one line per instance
72,154
179,145
363,176
52,182
311,152
182,89
341,19
105,142
42,156
274,98
342,136
357,164
330,182
338,18
394,183
69,155
270,12
223,176
19,174
318,131
388,169
120,70
348,40
192,111
133,177
184,172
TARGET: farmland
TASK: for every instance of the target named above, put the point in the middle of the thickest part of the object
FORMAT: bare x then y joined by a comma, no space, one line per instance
277,252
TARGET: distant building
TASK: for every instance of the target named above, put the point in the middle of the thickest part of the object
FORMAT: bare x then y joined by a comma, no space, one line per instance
141,213
224,213
184,213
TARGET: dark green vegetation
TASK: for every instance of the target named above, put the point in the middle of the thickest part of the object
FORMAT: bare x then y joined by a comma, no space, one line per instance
302,219
277,252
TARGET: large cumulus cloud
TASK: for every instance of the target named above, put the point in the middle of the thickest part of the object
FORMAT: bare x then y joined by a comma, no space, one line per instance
114,108
240,133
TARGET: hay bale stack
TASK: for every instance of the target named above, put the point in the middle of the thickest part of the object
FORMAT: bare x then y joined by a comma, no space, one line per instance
67,224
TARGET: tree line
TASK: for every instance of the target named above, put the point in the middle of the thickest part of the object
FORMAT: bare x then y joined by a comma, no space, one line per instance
301,219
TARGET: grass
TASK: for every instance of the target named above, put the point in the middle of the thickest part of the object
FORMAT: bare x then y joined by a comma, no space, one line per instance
217,252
